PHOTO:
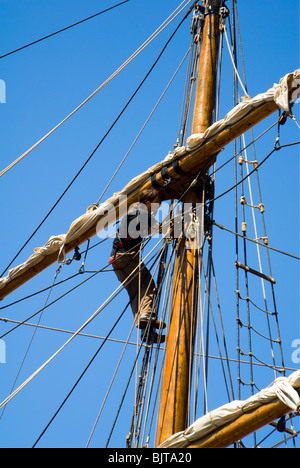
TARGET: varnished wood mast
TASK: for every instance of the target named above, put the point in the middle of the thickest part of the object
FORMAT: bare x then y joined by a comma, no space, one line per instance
190,163
173,414
174,404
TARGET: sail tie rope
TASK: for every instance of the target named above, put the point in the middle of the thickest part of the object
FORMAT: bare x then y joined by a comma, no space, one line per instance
234,66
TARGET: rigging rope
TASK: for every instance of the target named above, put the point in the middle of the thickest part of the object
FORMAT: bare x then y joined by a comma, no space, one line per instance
256,241
165,243
251,172
93,316
73,388
33,335
121,68
141,385
56,300
234,66
107,133
247,146
109,388
64,29
250,329
190,78
166,225
222,327
137,409
250,354
143,127
146,363
81,376
75,334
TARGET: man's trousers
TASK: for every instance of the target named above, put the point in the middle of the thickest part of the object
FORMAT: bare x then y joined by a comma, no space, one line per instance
138,282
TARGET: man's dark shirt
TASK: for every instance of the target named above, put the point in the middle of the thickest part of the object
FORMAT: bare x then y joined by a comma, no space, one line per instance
137,221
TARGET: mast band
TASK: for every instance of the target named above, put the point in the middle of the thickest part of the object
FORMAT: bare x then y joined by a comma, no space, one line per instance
166,176
154,182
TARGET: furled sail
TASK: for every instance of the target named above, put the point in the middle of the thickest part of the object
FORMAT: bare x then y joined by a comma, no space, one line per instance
185,161
283,389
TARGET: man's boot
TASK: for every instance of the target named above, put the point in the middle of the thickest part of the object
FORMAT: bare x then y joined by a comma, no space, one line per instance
154,323
150,336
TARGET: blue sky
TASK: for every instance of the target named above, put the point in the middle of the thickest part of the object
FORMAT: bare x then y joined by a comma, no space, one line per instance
44,83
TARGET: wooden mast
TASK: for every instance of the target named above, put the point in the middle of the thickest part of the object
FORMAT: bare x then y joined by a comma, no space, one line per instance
190,163
174,404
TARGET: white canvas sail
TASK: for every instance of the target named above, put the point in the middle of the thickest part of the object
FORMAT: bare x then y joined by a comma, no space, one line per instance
86,225
283,389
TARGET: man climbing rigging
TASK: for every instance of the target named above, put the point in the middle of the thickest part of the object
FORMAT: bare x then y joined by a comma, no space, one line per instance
127,264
